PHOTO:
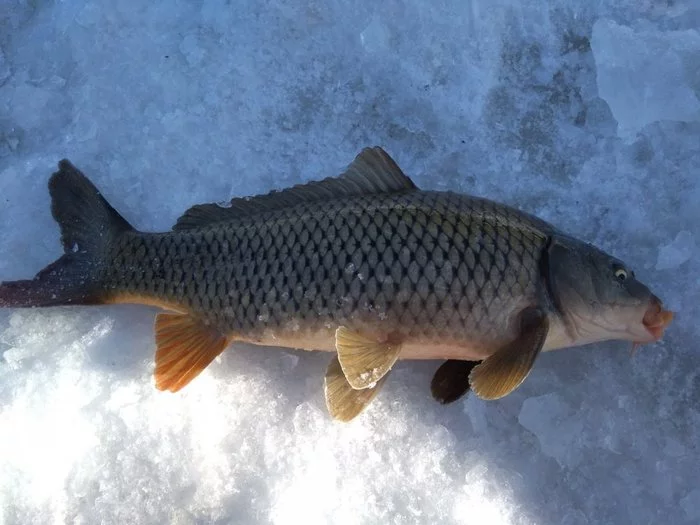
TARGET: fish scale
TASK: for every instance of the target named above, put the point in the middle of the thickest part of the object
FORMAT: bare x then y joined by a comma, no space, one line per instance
408,261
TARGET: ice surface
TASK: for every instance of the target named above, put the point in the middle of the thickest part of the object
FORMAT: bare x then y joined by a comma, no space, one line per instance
647,74
690,505
557,427
677,252
4,68
167,104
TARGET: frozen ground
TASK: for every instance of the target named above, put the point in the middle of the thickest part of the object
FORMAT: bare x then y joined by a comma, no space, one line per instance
584,112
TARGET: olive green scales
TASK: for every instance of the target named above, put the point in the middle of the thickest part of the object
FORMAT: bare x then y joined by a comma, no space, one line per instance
410,259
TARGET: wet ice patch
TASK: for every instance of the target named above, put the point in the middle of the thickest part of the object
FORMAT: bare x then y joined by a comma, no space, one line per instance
646,74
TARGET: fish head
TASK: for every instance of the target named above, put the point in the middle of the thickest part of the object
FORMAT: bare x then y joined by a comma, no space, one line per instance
599,296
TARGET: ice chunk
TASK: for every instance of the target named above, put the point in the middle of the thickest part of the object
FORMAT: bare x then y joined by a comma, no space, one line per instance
646,75
476,411
193,52
556,426
288,361
4,68
691,504
88,15
15,13
29,105
375,37
677,252
84,128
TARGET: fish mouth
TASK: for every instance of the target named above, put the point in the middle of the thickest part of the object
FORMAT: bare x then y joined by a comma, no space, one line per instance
656,319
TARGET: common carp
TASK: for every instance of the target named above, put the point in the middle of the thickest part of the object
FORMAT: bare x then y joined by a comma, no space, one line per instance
365,265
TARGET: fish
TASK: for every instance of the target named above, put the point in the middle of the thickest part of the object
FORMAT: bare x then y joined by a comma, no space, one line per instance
364,265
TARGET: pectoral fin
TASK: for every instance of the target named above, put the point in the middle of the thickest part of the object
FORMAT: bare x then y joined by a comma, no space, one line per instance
185,347
343,401
501,373
364,361
451,381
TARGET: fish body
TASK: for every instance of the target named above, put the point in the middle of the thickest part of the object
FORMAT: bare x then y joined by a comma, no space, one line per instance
365,265
430,268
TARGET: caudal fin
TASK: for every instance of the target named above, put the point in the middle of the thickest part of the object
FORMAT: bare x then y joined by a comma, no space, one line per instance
88,227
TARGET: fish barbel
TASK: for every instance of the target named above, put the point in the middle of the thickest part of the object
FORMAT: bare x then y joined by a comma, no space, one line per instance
365,265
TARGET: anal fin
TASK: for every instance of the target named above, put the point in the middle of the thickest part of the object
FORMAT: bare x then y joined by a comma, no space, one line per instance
364,361
343,401
184,347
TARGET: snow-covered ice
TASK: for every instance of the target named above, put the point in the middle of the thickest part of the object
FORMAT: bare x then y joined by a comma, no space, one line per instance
585,113
647,74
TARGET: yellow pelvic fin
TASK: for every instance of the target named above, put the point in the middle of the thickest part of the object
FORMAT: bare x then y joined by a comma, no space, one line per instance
364,361
185,347
501,373
343,401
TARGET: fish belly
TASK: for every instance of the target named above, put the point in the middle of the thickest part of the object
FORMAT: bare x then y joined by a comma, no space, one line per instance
324,340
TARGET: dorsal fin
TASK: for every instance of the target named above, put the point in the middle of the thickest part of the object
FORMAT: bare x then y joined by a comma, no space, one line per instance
372,172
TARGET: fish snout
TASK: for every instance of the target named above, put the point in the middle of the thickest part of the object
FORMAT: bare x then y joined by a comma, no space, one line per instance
656,318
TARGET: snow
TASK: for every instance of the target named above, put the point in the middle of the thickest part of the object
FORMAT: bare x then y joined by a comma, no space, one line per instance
584,113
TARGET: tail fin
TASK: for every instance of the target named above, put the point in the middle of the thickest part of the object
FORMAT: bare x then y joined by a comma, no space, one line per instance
88,226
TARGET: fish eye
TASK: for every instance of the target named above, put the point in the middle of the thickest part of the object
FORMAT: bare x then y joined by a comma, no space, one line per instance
620,274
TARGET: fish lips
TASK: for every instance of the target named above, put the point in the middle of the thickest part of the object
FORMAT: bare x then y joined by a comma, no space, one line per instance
656,319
